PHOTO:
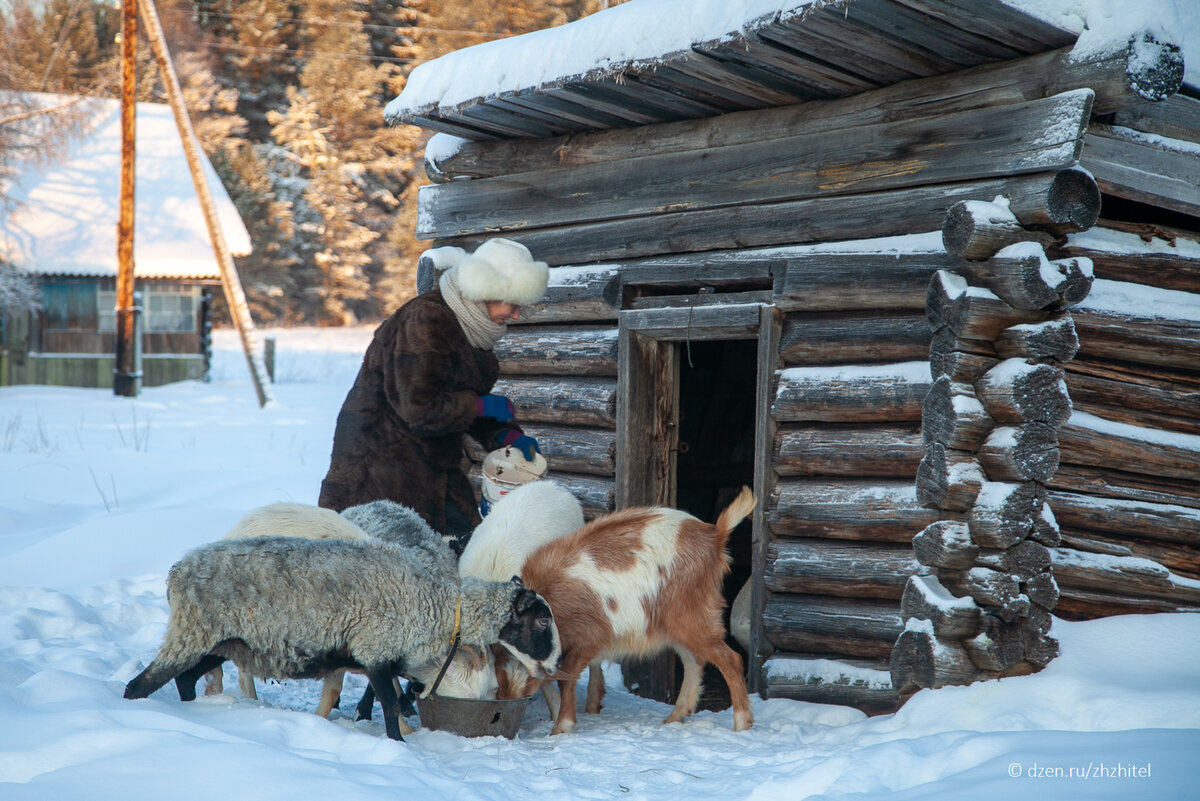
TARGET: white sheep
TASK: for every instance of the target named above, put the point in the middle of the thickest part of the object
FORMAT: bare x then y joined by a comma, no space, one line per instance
298,608
518,524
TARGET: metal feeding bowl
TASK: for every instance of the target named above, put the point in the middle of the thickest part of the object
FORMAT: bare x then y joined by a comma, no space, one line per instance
470,717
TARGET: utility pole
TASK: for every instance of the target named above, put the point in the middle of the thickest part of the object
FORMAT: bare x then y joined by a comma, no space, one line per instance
127,377
239,310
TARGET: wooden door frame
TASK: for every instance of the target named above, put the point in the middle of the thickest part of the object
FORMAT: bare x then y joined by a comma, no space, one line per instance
648,410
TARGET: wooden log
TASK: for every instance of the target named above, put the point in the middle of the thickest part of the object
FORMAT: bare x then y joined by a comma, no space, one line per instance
978,229
1002,644
1020,275
1144,254
925,598
852,570
948,479
971,312
850,452
978,144
1077,604
1045,528
1053,341
841,626
857,338
822,281
1126,486
1122,575
963,361
1027,452
703,322
562,400
1127,519
861,683
876,511
1042,589
577,450
953,416
1079,275
577,294
1025,560
1181,559
1128,402
946,543
1121,77
1004,513
880,393
558,351
1016,392
921,660
985,585
1090,440
1106,333
1154,170
1177,117
1063,199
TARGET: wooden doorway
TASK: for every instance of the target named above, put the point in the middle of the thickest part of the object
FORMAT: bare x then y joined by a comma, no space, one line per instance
693,427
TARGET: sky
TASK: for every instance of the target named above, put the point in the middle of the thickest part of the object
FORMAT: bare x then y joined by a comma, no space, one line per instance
99,495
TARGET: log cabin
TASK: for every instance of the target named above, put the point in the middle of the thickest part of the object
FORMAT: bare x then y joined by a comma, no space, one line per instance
58,226
923,273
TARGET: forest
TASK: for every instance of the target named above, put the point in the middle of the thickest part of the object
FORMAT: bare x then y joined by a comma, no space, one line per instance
287,99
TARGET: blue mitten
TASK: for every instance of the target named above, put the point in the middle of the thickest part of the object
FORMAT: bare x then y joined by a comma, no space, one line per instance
496,406
525,444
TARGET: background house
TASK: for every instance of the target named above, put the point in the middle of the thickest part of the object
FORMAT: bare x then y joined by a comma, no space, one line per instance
58,224
922,272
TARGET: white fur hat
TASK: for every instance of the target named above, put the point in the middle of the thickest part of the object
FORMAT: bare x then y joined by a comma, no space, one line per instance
501,269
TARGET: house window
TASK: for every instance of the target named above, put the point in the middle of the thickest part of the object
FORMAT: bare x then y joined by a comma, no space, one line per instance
168,309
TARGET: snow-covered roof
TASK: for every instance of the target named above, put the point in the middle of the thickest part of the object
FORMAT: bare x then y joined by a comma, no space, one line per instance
61,218
659,60
646,61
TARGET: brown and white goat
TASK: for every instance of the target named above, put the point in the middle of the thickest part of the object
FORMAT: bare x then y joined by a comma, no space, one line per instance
637,582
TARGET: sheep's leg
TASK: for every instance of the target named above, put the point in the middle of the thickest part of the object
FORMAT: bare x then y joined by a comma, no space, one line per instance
565,722
185,682
689,691
214,681
729,663
246,683
331,691
553,698
366,704
150,680
393,723
595,691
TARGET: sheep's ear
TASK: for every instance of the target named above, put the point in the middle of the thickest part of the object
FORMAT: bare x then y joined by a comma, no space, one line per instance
524,600
516,580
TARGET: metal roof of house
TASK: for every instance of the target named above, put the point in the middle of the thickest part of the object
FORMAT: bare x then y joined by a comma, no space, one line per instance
804,51
62,216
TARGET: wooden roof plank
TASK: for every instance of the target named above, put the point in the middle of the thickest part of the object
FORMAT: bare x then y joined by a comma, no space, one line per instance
450,126
1153,172
996,21
581,117
791,66
547,118
710,72
620,105
921,30
491,116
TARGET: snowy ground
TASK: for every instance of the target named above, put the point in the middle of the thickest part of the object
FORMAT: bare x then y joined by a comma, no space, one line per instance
99,495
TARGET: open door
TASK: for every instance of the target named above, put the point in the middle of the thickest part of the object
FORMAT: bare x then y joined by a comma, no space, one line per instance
693,427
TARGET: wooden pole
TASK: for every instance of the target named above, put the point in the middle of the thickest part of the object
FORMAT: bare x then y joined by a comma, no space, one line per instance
126,380
234,296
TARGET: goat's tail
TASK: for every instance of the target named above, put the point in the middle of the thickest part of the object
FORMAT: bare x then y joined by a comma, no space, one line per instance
735,513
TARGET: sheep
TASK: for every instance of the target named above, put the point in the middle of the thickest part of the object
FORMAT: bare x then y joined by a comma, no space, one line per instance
518,524
469,675
636,582
297,608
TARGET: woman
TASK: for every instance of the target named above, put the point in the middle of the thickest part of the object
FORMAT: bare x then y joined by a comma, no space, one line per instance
425,381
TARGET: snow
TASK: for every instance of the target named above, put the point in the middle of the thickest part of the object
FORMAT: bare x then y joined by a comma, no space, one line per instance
100,495
1155,436
65,217
635,31
907,372
1125,299
1106,240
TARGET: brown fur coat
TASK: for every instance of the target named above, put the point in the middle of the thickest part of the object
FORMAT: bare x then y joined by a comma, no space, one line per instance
399,433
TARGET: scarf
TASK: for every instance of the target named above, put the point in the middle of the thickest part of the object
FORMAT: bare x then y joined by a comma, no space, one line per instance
472,316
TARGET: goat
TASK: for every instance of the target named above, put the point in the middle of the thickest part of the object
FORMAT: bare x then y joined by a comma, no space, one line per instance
634,583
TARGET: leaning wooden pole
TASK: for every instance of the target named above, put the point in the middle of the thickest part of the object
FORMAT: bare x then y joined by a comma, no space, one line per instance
234,296
126,378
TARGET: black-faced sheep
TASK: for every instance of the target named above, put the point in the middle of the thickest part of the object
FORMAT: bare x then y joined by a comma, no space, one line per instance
639,581
296,608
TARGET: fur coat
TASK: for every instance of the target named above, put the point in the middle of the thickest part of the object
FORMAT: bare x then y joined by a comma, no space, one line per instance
399,433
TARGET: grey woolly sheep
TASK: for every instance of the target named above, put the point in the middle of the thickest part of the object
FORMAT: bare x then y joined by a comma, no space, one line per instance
296,608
